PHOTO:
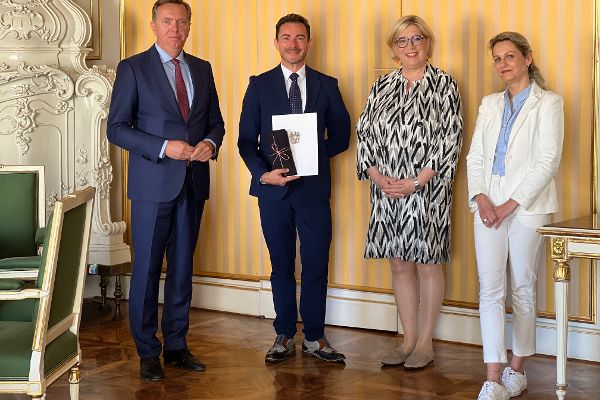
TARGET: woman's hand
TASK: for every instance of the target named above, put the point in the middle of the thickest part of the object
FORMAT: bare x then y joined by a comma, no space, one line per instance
487,213
391,187
505,210
406,187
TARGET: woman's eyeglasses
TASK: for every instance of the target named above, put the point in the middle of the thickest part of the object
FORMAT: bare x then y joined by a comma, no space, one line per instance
416,40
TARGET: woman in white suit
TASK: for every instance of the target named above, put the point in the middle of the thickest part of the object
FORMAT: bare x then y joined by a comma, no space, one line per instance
514,155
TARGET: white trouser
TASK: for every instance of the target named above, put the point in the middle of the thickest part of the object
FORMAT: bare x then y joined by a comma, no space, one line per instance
516,240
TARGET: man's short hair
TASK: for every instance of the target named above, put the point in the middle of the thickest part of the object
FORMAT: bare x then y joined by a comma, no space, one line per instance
159,3
294,19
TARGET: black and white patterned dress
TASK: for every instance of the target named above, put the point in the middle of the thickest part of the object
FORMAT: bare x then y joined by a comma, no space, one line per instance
401,131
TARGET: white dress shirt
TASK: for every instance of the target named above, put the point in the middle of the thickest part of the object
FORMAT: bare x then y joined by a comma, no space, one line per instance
301,82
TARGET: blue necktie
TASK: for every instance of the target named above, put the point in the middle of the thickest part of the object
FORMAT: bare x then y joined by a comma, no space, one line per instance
295,96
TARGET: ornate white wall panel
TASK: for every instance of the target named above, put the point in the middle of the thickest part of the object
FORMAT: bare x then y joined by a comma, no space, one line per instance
53,109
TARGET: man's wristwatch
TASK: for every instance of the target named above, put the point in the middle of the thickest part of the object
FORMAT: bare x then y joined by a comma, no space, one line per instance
417,185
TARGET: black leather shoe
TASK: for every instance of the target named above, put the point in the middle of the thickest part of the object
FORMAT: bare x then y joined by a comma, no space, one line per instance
150,369
282,349
183,359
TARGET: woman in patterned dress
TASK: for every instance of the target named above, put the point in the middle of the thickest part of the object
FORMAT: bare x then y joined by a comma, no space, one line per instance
409,139
515,153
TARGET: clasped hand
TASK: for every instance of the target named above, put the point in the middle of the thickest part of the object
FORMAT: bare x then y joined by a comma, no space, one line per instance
180,150
493,216
394,188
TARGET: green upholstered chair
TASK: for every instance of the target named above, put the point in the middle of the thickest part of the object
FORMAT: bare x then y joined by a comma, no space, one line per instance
22,216
39,325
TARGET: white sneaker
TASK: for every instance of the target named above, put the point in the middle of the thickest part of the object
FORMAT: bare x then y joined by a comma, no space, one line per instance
514,382
493,391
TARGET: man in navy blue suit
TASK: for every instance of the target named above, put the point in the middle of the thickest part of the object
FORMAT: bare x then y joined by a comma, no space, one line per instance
290,204
165,112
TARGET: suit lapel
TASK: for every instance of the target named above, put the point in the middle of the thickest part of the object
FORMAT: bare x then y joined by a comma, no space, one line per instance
196,79
495,125
278,93
162,80
531,101
313,86
280,96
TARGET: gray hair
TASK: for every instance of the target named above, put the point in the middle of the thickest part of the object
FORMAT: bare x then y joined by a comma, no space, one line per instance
159,3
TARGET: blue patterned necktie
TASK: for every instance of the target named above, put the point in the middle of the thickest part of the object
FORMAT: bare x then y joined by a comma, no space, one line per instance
295,96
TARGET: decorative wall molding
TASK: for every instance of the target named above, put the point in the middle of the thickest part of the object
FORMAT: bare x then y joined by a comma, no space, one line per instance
25,19
53,109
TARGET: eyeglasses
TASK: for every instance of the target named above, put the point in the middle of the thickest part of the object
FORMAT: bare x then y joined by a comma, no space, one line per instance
416,40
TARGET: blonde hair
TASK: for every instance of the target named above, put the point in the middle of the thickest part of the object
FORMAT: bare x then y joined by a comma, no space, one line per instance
407,21
523,46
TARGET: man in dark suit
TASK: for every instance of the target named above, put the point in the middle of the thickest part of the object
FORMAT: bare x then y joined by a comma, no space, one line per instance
165,112
290,203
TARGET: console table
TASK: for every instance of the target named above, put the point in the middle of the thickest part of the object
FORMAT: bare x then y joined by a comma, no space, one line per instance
105,272
576,238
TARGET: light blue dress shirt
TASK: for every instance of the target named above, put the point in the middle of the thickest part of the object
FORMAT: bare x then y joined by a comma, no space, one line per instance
508,120
170,71
187,78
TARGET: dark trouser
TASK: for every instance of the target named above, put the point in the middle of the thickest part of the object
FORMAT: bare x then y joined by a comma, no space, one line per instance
312,219
158,227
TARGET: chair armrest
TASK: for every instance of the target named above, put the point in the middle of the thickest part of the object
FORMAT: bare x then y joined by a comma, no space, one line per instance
22,294
11,285
40,235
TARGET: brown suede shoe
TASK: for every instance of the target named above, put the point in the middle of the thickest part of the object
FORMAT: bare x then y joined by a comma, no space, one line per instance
396,357
418,360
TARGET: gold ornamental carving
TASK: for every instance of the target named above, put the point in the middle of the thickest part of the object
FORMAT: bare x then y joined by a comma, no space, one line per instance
562,271
558,248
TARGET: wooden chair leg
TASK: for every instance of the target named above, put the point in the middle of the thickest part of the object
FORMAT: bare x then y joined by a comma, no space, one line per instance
103,289
118,296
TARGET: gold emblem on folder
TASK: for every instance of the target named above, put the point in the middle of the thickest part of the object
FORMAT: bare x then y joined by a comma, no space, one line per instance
294,137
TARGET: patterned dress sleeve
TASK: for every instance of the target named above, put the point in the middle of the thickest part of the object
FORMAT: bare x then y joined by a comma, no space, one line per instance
366,148
446,150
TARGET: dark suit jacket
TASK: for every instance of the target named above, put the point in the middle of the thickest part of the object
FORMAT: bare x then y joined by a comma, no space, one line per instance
266,96
144,112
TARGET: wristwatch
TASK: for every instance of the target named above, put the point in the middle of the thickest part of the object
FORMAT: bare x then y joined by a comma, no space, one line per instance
417,185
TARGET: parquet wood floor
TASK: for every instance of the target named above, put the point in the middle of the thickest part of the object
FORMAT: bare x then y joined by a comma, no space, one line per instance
233,348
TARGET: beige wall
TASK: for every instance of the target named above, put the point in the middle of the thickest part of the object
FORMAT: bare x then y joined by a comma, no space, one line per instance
348,43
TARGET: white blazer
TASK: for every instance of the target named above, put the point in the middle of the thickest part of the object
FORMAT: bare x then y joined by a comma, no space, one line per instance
532,156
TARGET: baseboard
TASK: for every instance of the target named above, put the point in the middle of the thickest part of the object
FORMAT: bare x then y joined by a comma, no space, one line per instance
353,308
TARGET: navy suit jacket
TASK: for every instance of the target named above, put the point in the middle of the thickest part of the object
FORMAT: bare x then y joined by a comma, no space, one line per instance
267,96
144,112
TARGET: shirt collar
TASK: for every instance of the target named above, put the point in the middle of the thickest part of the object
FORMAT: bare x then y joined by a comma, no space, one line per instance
301,72
428,71
165,57
520,98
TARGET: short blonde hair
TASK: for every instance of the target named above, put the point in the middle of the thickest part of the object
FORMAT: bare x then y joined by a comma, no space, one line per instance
407,21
